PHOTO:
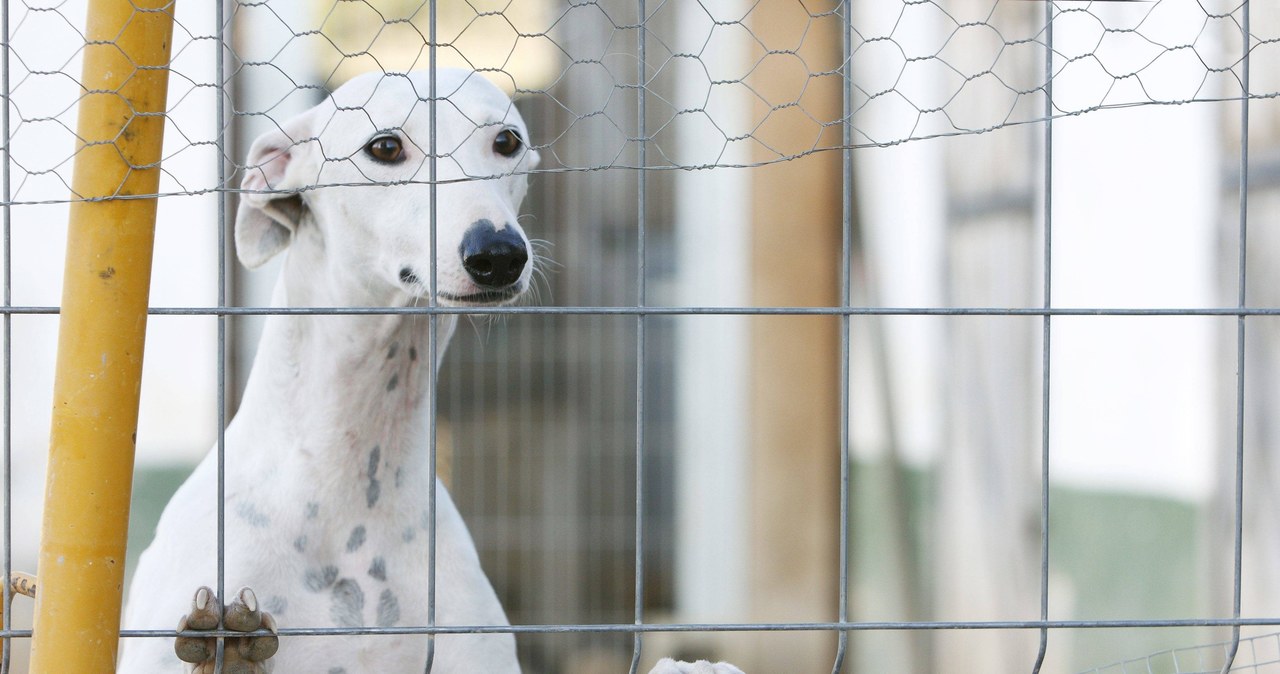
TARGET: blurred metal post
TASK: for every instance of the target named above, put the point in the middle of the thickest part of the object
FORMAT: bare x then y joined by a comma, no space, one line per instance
795,243
104,316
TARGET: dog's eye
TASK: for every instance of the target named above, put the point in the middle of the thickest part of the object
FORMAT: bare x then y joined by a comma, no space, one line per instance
386,149
507,142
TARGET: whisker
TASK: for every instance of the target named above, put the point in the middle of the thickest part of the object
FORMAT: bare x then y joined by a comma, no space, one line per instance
541,277
482,336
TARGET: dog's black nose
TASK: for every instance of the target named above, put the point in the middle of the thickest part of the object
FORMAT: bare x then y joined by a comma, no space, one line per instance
493,257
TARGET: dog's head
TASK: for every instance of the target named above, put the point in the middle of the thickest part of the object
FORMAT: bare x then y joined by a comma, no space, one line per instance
351,177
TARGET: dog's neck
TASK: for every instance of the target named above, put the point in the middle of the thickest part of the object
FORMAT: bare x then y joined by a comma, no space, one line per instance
329,389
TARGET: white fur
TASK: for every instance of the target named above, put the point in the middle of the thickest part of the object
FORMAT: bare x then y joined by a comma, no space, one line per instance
312,509
669,666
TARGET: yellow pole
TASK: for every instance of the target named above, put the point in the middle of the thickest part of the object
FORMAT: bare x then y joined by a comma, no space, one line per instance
103,323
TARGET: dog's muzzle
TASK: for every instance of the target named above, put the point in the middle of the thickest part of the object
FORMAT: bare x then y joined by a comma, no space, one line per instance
494,258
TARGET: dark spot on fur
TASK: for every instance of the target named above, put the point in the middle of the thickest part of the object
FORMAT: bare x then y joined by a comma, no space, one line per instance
391,383
249,513
337,670
348,603
378,569
413,353
275,605
319,579
356,539
374,489
388,609
313,509
300,543
391,353
399,477
408,534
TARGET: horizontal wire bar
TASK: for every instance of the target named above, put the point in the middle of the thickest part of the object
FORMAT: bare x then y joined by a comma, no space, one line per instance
627,628
679,311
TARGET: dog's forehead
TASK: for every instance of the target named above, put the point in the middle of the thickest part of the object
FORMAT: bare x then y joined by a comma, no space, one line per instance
390,101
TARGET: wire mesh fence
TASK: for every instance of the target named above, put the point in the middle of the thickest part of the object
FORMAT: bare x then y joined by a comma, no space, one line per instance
928,69
1256,654
567,424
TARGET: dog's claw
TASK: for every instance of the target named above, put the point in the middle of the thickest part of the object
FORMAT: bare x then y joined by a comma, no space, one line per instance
204,615
242,614
242,655
205,611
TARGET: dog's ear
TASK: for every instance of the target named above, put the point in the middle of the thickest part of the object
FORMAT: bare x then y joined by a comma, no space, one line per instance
268,214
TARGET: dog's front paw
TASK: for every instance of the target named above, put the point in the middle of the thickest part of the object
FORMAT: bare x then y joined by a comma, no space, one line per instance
241,655
669,666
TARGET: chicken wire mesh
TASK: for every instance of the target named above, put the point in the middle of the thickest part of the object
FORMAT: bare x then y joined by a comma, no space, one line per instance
929,69
612,87
1255,654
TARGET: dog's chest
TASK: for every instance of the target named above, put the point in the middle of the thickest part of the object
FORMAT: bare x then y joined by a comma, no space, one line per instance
331,558
351,571
335,565
335,535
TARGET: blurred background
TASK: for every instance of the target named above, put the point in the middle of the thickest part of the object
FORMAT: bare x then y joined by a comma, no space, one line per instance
738,169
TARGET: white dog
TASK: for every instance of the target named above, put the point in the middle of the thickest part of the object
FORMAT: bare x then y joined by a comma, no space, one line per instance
326,465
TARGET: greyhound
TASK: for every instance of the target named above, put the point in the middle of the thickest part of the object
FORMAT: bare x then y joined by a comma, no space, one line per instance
327,479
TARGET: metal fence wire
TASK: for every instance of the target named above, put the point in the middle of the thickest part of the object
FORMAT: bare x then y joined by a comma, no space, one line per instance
568,431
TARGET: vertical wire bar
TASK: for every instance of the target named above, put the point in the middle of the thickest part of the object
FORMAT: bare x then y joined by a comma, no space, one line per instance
220,142
6,644
433,348
1046,334
1242,254
641,215
846,261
